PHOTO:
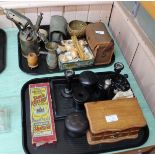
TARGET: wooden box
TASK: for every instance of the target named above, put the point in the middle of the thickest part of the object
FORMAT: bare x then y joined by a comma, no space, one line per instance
100,43
114,120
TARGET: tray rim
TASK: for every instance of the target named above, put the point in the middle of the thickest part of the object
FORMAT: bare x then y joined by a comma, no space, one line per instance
48,79
4,51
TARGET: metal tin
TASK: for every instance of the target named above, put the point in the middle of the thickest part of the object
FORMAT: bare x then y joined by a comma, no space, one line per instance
76,64
28,44
58,28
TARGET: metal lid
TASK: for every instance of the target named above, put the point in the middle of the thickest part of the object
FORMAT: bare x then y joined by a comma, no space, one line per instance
88,78
76,123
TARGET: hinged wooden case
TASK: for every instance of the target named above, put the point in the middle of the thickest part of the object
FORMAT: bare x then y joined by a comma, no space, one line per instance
113,120
100,43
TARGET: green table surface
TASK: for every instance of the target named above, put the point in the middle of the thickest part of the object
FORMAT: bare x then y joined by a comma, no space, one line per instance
12,79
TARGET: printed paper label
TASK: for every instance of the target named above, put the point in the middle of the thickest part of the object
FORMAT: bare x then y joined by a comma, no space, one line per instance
111,118
99,32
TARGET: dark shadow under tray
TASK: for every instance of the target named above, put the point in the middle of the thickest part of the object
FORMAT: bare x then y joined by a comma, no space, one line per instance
65,143
3,42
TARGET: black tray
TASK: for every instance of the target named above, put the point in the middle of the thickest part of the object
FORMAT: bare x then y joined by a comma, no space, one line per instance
2,50
65,143
43,68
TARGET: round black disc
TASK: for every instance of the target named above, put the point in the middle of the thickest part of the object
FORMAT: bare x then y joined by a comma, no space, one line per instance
76,124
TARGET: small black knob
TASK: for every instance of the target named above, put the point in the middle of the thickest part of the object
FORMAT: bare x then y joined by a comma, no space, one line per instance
69,74
118,67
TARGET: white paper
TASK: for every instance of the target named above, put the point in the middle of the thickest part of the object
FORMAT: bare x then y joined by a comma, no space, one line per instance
111,118
100,32
126,94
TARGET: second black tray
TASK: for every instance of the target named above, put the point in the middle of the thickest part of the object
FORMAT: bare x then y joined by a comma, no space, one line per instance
66,144
2,50
43,68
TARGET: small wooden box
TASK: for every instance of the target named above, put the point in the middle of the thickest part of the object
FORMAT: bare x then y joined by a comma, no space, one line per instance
100,43
113,120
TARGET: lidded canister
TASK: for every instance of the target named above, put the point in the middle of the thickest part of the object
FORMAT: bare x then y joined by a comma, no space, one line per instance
51,58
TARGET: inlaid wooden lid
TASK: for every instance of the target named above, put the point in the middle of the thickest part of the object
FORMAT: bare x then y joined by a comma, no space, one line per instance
114,115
